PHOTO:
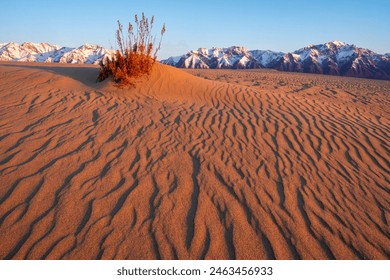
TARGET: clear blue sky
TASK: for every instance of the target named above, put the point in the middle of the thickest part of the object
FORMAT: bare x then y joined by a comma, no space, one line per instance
279,25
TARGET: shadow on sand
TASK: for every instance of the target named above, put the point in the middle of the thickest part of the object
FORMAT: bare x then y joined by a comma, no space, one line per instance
85,74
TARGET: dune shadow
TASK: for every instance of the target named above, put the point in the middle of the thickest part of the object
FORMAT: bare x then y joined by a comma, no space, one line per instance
85,74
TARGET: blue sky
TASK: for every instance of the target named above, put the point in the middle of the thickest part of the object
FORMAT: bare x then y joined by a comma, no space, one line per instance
278,25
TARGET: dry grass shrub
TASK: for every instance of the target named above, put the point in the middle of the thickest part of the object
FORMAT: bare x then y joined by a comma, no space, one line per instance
136,53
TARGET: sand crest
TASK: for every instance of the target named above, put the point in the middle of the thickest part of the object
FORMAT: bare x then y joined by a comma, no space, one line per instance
240,165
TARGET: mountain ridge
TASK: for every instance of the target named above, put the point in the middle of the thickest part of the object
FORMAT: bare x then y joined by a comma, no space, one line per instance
332,58
45,52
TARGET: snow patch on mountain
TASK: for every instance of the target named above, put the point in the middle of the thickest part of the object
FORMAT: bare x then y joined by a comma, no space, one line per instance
265,57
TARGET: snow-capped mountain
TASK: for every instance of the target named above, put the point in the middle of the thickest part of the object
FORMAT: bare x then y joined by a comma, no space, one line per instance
334,58
44,52
224,58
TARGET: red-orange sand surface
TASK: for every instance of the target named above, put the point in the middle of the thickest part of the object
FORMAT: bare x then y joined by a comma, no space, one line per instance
229,165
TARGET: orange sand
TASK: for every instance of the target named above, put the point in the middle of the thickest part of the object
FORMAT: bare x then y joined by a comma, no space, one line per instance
241,165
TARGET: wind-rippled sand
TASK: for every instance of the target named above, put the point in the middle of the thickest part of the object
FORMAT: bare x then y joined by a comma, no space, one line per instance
240,165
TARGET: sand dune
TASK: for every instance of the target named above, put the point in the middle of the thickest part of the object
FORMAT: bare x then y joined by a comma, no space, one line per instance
240,165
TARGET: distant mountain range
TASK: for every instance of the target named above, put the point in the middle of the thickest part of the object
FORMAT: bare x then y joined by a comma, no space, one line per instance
333,58
44,52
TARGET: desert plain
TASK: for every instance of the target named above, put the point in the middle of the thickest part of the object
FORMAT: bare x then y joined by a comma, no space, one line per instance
195,164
